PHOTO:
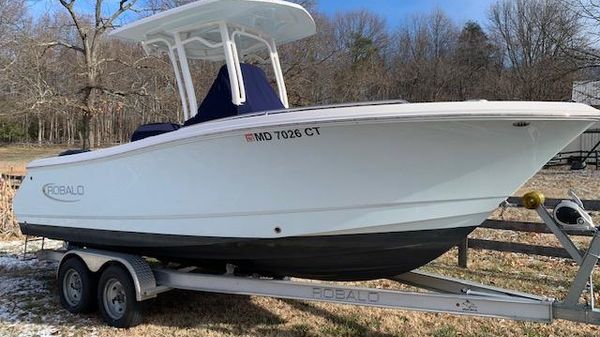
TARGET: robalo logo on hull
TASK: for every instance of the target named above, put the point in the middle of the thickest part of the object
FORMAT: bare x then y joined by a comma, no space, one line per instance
64,193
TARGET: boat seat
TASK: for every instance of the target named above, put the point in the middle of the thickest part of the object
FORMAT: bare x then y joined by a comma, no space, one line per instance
260,96
153,129
71,152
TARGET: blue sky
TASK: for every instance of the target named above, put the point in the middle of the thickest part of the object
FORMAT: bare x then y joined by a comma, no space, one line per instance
397,10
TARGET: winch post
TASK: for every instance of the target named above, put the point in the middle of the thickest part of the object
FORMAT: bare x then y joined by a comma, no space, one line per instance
535,201
587,261
584,274
563,238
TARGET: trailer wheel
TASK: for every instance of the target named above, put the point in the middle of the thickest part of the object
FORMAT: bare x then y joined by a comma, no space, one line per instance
116,298
76,286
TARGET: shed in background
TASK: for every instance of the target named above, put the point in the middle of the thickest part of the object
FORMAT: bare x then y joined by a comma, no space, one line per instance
587,92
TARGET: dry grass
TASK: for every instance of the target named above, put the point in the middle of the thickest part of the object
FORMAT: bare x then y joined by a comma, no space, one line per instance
14,158
30,306
8,223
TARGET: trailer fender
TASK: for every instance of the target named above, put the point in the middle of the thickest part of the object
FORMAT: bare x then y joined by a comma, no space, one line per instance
140,271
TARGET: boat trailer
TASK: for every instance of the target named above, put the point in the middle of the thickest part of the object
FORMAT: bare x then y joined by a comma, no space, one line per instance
126,280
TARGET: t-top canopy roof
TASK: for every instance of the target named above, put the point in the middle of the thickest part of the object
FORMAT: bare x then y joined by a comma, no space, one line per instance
280,21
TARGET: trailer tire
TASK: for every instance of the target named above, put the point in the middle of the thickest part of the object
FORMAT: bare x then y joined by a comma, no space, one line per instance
116,298
76,286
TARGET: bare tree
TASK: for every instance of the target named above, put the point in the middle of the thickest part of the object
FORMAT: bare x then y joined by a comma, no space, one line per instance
422,61
12,23
90,34
477,64
59,68
587,52
309,65
12,18
533,35
362,40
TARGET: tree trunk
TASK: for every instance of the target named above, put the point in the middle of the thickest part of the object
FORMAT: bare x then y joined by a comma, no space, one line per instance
40,129
85,131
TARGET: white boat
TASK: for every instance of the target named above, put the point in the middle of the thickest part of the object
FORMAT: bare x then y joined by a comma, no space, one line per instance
343,192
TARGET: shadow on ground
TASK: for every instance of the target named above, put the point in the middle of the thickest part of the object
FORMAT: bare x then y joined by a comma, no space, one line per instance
237,314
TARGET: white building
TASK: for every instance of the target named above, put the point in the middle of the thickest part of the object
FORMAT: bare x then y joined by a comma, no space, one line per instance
587,92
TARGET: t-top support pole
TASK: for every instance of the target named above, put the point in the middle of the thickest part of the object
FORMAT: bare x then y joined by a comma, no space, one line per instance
173,59
187,76
238,92
278,73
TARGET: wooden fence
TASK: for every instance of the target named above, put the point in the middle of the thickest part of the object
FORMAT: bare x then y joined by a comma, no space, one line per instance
567,158
12,180
522,226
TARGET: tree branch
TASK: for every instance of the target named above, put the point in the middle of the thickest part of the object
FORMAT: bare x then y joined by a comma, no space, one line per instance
124,5
69,6
61,44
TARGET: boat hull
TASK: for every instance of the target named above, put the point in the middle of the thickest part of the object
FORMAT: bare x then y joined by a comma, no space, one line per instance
316,174
337,257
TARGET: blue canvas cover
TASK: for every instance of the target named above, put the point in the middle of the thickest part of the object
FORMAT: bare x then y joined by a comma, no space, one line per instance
71,152
153,129
260,96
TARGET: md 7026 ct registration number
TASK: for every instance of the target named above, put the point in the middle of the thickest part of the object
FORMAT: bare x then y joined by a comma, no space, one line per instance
266,136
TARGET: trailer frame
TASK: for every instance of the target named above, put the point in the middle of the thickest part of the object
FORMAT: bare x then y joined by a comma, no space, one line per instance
444,294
